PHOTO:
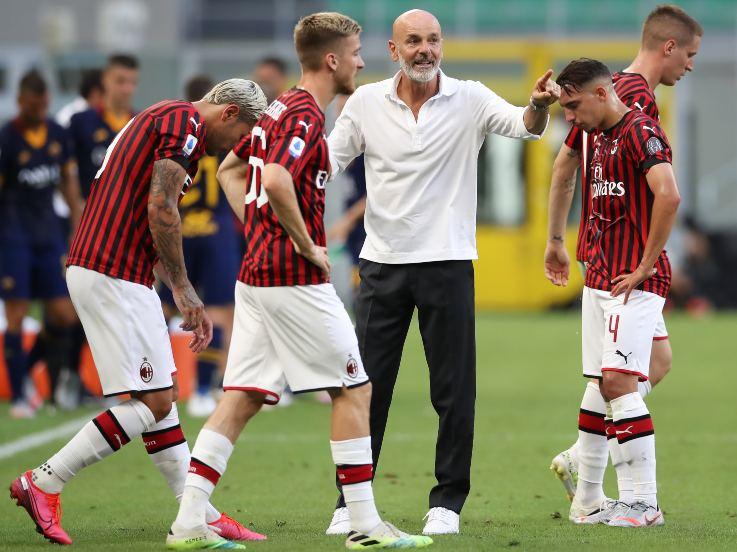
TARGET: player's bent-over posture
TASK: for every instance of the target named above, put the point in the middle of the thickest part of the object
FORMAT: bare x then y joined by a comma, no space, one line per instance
670,40
634,199
290,327
130,222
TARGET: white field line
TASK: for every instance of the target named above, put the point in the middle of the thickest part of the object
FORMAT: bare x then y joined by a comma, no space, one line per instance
41,438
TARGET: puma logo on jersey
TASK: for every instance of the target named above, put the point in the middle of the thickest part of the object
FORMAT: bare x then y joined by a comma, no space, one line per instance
638,106
307,127
620,353
196,124
645,127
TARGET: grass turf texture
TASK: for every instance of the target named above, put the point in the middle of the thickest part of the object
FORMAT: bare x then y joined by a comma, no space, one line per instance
280,476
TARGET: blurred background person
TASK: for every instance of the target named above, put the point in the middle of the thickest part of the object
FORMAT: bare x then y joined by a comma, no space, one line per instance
91,95
272,75
35,160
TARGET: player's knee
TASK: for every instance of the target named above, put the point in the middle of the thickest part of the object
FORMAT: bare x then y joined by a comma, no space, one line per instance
160,409
359,397
614,385
661,361
159,403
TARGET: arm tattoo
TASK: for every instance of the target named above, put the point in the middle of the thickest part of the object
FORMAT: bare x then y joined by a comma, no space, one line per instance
167,181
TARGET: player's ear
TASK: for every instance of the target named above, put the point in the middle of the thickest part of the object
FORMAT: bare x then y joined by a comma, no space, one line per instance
231,111
332,61
669,46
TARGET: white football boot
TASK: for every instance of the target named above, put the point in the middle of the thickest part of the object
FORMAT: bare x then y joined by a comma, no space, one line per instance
441,521
341,522
638,514
565,467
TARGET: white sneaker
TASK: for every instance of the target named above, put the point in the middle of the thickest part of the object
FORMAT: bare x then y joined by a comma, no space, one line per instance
341,522
638,514
441,521
594,514
22,410
199,539
565,467
201,406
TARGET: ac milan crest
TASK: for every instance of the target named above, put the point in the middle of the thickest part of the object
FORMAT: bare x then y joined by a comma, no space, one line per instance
351,366
147,371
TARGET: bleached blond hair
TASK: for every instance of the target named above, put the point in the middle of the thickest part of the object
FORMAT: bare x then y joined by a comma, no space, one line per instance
317,33
246,94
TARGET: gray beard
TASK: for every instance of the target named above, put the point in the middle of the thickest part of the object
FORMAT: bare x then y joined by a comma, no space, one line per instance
418,76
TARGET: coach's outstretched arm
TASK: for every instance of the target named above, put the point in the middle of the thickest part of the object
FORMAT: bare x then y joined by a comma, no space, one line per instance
283,200
662,182
232,178
167,180
562,186
545,93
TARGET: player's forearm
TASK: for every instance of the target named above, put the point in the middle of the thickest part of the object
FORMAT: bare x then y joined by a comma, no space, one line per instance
562,187
535,120
664,211
164,220
283,200
232,178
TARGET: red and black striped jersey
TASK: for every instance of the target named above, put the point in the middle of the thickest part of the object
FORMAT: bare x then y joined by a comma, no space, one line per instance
114,237
290,133
633,90
621,201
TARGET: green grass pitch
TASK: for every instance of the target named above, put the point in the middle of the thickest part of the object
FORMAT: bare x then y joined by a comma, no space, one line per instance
280,476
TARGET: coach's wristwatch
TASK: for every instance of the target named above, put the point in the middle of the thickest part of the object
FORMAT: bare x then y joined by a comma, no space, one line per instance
536,107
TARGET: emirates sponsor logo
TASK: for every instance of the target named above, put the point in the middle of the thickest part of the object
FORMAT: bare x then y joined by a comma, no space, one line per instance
606,188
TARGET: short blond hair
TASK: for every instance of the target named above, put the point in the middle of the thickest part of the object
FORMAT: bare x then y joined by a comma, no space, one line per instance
667,22
317,33
246,94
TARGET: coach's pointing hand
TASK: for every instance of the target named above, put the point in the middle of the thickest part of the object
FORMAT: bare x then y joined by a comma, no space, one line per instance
546,91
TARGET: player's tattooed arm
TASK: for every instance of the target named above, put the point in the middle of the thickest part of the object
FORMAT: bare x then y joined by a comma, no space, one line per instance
232,178
562,186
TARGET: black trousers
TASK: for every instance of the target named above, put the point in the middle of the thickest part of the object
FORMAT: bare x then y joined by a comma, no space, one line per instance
443,293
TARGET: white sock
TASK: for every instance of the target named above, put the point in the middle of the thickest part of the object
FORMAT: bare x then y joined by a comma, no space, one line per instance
592,449
636,438
354,466
98,439
168,450
209,459
644,388
624,477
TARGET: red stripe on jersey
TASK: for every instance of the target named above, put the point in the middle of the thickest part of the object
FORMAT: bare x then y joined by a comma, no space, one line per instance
632,428
156,441
350,475
633,90
291,133
111,430
621,202
203,470
114,236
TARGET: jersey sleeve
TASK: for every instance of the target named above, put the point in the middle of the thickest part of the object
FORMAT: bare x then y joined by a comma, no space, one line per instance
648,145
574,140
294,141
179,135
243,148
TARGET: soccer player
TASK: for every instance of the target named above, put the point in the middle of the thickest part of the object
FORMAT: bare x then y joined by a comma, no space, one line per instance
634,199
130,223
35,161
91,95
420,132
211,253
290,327
670,40
93,129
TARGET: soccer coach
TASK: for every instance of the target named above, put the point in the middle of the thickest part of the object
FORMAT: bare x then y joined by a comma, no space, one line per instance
421,132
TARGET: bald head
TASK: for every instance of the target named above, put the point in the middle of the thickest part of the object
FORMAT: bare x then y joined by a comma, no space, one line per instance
417,45
414,20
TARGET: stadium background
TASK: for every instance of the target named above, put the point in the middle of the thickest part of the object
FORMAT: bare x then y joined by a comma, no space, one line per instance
505,45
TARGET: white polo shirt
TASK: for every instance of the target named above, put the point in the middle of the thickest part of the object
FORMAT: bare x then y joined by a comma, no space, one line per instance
421,175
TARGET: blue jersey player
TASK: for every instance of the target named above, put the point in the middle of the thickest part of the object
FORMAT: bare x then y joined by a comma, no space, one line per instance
34,162
92,130
212,257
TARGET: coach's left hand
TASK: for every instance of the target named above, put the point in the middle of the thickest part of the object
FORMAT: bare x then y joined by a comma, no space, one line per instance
627,282
546,91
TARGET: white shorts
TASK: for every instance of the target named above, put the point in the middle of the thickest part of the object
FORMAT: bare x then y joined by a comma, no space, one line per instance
661,332
296,335
618,337
126,330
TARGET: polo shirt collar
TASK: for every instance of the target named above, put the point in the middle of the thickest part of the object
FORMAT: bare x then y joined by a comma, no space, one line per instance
448,86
